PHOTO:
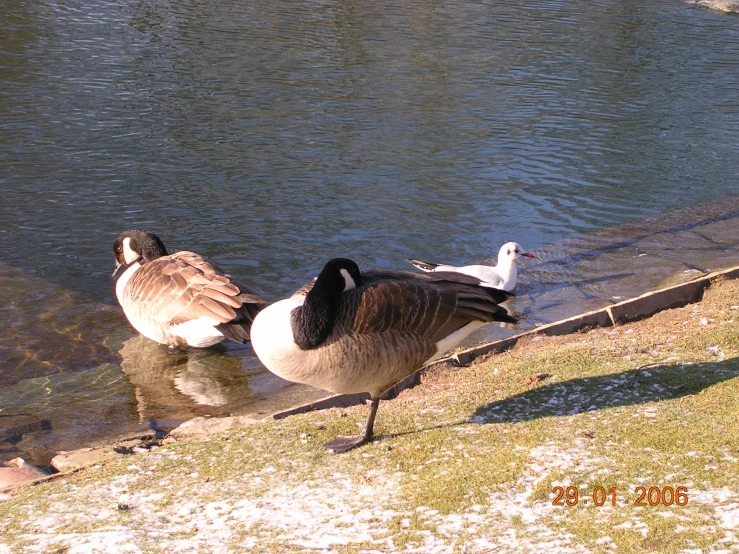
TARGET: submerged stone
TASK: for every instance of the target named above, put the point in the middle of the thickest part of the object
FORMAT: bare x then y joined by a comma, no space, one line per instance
729,6
202,426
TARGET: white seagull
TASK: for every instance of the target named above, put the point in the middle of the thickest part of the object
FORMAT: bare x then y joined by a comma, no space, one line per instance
502,276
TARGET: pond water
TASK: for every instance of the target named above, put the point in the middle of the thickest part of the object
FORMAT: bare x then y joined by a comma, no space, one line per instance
271,136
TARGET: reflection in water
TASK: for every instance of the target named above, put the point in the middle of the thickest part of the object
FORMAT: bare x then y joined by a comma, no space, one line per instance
172,385
176,384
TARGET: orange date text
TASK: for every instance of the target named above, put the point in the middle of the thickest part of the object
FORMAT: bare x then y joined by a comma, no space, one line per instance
645,496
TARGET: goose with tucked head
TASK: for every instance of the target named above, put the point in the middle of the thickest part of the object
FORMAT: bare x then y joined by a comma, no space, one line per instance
502,276
180,299
352,331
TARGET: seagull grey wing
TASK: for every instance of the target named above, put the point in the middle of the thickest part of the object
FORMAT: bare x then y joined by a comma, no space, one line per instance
492,278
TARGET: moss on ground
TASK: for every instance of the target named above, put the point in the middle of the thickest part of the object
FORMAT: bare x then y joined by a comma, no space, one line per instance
468,461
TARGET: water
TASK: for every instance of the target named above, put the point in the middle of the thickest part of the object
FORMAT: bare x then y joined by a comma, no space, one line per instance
271,136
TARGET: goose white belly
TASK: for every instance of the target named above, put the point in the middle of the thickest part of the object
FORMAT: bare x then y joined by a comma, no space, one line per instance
200,332
347,362
272,339
450,341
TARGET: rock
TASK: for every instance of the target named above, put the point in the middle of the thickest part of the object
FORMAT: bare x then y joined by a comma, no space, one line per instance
17,472
86,457
202,427
15,433
729,6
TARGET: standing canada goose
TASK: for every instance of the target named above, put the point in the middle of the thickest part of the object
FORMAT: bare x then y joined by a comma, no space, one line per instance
351,332
180,299
502,276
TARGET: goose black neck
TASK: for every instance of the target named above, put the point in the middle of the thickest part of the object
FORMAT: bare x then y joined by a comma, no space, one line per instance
313,322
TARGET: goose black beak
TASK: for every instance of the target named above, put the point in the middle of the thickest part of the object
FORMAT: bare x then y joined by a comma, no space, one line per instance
116,270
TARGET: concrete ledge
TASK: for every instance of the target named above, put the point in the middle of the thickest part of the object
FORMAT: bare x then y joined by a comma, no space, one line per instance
653,302
629,310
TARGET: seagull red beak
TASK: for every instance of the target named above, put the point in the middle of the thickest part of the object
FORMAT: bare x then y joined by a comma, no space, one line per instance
527,255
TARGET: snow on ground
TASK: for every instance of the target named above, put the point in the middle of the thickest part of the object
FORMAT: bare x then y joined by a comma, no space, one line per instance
271,509
312,514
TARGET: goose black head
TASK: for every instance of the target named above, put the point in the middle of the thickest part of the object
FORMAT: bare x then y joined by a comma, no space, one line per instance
344,272
313,322
134,246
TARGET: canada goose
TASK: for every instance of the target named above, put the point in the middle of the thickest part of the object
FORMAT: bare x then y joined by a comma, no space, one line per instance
356,332
180,299
502,276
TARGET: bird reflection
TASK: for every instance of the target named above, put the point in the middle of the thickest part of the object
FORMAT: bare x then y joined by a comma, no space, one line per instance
176,384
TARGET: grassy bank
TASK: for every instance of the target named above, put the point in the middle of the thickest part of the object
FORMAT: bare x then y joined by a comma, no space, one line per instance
467,462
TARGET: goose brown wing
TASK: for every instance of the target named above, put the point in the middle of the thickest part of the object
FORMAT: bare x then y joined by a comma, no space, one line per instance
185,286
433,305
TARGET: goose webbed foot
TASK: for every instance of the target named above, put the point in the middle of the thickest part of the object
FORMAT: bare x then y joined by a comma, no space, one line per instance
343,443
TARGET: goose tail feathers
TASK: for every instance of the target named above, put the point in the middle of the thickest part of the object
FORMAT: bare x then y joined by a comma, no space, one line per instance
499,295
422,265
238,328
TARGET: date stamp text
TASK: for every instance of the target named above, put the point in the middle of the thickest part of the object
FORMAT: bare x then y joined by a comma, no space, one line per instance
652,496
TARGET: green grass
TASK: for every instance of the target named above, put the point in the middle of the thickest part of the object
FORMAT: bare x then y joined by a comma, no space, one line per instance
465,462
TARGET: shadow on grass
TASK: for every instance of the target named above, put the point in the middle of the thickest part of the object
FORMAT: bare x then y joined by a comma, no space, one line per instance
587,394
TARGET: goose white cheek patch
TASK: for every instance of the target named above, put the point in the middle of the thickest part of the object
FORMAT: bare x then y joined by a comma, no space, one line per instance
128,254
349,283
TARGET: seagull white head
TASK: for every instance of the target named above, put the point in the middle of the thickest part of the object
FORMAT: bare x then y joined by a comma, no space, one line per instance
511,251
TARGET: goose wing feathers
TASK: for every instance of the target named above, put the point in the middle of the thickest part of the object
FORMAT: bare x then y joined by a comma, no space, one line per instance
185,286
391,325
432,305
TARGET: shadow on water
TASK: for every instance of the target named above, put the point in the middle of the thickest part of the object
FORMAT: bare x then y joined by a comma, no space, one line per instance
589,394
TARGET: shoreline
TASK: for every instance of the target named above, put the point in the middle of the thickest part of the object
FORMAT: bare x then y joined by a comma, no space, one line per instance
634,309
145,387
470,461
